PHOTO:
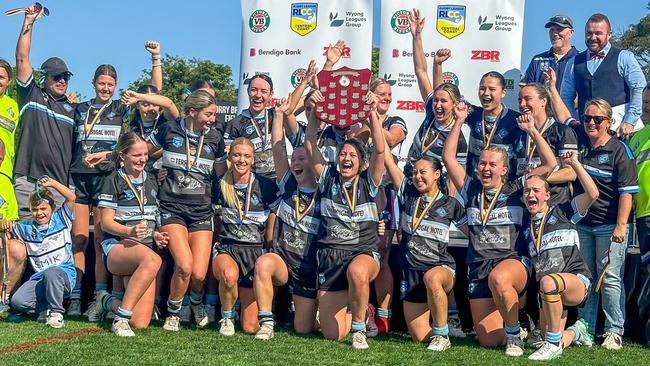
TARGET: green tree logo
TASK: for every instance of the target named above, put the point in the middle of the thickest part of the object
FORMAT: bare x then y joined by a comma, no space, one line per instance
334,22
389,79
483,26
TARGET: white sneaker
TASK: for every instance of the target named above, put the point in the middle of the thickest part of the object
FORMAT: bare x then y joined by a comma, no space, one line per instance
585,338
55,320
96,311
185,314
155,314
200,315
42,316
371,327
265,333
612,342
74,309
439,343
514,346
121,328
227,327
359,340
547,351
172,323
455,328
211,311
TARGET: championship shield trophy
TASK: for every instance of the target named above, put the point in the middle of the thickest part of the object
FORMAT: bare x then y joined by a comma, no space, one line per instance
40,9
344,91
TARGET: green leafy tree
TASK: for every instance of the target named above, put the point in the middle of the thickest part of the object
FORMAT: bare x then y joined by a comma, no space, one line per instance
374,66
637,39
179,73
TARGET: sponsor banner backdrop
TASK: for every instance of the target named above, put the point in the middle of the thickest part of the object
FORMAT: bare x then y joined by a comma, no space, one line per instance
482,35
280,37
226,111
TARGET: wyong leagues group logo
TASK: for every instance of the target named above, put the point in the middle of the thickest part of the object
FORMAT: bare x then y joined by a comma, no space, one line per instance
502,23
351,19
304,17
259,21
450,20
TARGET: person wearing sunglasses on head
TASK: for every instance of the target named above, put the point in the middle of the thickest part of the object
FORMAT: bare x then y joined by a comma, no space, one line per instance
45,144
606,72
604,231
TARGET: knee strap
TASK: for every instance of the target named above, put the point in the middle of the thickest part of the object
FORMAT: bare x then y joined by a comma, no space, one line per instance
554,295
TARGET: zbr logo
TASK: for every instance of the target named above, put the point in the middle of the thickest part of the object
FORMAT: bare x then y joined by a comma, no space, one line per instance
451,20
297,76
304,17
259,21
450,78
400,22
486,55
410,105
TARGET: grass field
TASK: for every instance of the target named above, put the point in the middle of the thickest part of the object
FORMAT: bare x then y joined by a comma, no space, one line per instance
30,343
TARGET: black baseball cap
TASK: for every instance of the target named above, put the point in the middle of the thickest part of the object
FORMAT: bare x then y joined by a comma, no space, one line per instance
561,21
55,66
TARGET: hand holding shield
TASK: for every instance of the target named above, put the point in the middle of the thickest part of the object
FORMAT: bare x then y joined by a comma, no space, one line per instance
343,92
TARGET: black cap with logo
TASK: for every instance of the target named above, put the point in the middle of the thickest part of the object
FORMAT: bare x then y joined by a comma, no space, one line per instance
561,21
55,66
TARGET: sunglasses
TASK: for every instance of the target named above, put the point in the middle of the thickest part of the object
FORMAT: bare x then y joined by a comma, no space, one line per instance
597,119
65,76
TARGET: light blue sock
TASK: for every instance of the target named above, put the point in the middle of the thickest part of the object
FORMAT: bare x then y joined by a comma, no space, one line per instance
265,317
384,313
106,303
441,331
196,297
358,326
452,310
227,314
174,306
119,295
553,337
513,331
186,300
76,292
576,332
123,313
100,287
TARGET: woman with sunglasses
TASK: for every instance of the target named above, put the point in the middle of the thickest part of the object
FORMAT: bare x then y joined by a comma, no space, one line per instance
498,275
604,231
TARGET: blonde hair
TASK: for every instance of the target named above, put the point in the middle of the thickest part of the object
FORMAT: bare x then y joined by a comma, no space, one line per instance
602,104
124,144
227,183
376,83
198,100
504,155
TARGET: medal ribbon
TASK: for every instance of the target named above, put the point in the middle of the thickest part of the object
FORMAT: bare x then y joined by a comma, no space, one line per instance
139,197
155,123
88,128
352,203
266,129
301,215
416,220
243,211
530,145
494,128
537,237
191,160
485,213
424,148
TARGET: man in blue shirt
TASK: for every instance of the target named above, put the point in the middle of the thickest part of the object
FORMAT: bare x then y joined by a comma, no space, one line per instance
607,72
560,31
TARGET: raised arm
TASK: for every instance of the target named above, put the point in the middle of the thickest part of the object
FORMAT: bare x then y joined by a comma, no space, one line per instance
311,146
591,193
334,54
419,59
394,136
562,113
376,166
394,172
455,170
527,124
153,48
441,56
24,45
296,99
277,140
169,108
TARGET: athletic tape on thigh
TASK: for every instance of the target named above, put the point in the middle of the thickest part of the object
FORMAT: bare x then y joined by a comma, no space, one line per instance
560,286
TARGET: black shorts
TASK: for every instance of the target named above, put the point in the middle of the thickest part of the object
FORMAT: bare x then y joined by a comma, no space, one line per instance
333,267
87,187
412,287
194,218
245,257
643,230
478,288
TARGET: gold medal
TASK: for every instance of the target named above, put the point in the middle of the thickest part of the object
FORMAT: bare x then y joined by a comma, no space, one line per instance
351,202
89,127
264,157
264,138
300,213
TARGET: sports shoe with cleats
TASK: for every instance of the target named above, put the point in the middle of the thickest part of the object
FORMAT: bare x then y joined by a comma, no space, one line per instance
200,315
585,338
547,351
439,343
121,328
74,309
371,327
455,327
95,311
226,327
514,346
42,316
172,323
265,333
55,320
359,340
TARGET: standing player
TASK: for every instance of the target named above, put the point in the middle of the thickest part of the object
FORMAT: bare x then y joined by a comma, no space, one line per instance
498,275
47,240
246,200
192,154
129,208
9,114
293,259
347,248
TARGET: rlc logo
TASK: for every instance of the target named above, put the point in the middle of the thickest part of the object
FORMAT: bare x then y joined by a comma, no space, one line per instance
304,17
486,55
344,54
451,20
410,105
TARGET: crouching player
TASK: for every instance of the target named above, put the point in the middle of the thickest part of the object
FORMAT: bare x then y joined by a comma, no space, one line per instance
48,244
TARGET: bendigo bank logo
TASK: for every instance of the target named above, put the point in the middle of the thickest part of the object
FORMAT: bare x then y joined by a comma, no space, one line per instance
400,22
451,20
259,21
304,17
